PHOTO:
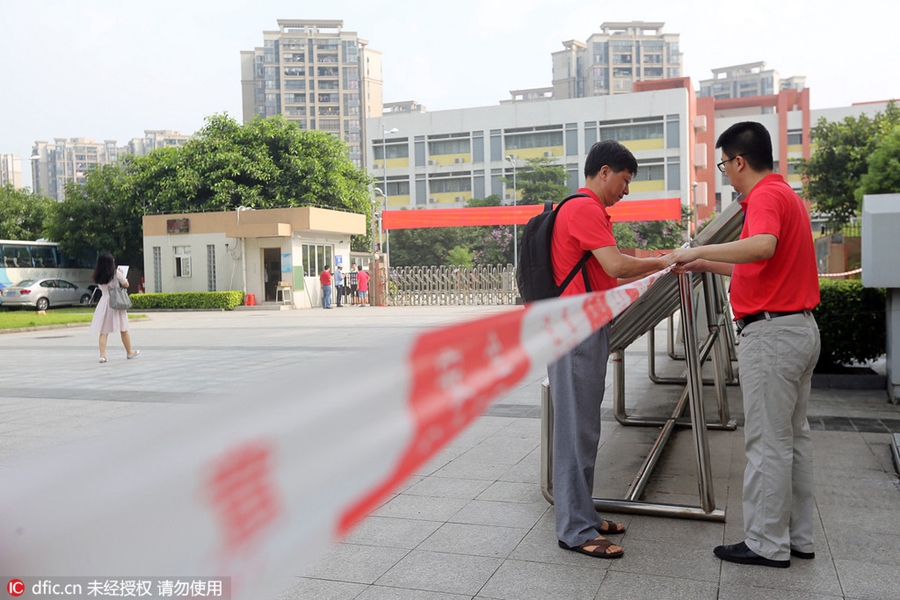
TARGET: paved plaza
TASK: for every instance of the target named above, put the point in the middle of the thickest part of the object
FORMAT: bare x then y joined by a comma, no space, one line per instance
473,523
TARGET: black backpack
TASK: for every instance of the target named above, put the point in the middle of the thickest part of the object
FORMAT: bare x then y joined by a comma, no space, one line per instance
534,273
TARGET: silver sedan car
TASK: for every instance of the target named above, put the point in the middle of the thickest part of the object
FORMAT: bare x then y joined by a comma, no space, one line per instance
44,293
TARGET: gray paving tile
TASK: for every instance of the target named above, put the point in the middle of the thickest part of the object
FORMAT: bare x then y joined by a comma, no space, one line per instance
449,487
644,586
523,580
356,563
672,559
510,491
743,592
540,545
817,576
845,518
476,540
393,532
859,496
378,592
473,469
441,572
503,514
868,581
428,508
321,589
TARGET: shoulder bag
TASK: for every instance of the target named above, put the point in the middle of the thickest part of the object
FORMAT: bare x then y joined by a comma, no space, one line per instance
118,297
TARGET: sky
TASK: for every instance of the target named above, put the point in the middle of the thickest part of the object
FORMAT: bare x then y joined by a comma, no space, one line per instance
109,69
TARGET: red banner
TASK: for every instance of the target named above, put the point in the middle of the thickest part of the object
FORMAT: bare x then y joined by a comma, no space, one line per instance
663,209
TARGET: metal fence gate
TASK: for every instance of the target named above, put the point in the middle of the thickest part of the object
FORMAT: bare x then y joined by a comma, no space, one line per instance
447,286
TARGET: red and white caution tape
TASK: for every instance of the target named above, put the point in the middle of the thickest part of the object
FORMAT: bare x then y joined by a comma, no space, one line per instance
844,274
257,488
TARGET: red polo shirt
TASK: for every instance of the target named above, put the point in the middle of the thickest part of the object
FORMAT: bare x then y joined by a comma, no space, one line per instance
325,278
788,281
581,225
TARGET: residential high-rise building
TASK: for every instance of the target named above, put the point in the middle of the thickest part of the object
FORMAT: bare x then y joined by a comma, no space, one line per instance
10,170
610,62
746,81
318,76
53,164
154,139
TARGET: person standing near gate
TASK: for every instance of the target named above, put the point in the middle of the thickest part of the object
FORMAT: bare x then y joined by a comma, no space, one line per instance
363,278
339,285
353,283
577,379
774,287
325,280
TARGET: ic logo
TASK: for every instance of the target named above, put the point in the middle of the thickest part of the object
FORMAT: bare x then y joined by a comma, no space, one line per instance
15,587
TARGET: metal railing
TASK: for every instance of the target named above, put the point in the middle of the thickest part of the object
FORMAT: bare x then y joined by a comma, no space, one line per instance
448,286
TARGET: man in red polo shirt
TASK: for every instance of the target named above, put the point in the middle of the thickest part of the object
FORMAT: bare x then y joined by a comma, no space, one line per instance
578,379
774,288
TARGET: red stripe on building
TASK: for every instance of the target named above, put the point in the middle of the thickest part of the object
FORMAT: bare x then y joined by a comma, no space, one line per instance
663,209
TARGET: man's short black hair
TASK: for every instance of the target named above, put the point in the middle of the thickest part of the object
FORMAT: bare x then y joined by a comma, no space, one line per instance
611,153
752,141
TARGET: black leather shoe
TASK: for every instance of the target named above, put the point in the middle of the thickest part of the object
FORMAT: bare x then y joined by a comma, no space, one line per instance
803,555
741,554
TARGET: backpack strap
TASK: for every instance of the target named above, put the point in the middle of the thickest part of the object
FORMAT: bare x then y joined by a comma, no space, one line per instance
581,265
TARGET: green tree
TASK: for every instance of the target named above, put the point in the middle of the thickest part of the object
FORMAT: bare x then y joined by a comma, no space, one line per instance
840,160
883,176
539,181
431,246
460,256
492,200
267,163
22,214
101,215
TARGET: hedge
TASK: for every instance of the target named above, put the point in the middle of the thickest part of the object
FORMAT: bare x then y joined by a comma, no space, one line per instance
851,322
187,300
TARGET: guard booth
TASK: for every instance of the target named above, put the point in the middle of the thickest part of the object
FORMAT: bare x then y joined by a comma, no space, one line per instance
669,294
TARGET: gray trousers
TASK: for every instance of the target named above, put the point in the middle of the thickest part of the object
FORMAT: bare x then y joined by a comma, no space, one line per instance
577,383
776,359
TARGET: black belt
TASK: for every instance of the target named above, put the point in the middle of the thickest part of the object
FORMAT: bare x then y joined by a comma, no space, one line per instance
766,314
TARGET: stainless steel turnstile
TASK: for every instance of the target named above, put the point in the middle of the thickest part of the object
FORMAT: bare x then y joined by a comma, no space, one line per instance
666,296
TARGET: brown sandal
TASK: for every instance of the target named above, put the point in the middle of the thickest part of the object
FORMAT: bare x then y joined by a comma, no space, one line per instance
611,528
596,548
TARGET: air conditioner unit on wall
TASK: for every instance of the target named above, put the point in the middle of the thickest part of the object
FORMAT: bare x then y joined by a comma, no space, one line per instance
431,163
548,154
459,199
459,160
432,201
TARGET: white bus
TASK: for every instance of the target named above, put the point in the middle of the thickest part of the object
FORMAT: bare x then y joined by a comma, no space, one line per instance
20,261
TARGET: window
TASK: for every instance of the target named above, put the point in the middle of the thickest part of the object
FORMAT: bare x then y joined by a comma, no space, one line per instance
794,138
637,131
182,261
315,257
393,151
398,188
650,173
157,269
457,184
458,146
210,268
542,139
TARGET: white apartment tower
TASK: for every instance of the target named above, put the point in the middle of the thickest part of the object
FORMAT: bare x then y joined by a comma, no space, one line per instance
611,61
53,164
745,81
10,171
318,76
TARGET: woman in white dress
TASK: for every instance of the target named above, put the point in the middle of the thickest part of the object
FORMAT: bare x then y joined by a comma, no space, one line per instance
110,320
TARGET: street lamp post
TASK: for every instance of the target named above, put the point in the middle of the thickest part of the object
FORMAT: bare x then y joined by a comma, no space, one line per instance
515,226
385,188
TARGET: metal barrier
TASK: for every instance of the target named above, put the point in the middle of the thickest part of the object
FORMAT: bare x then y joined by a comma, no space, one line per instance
447,286
666,296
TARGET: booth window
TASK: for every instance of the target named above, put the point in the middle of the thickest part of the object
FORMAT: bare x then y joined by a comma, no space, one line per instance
182,261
